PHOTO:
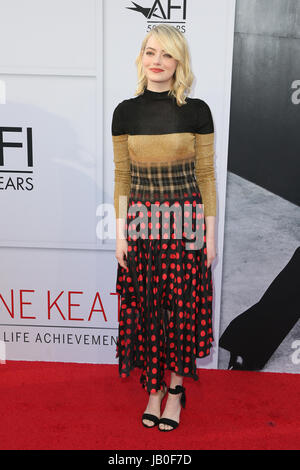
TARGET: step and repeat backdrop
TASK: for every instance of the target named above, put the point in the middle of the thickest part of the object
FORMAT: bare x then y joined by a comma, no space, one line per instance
64,66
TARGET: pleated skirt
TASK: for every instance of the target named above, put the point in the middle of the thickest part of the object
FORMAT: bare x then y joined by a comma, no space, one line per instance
166,291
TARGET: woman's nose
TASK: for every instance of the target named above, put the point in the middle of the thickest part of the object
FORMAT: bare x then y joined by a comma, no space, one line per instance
157,59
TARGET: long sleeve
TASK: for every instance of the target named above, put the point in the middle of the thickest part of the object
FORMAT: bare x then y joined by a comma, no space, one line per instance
122,173
204,162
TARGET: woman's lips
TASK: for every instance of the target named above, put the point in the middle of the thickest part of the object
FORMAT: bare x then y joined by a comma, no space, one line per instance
156,70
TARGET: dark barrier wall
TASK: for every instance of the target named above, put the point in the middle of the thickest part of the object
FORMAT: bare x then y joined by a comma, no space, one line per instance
264,144
260,306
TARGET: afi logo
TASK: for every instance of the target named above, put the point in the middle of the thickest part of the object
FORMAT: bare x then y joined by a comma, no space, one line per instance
158,11
10,181
4,143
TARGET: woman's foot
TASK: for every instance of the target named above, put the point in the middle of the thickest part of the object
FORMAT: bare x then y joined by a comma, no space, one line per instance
172,410
154,406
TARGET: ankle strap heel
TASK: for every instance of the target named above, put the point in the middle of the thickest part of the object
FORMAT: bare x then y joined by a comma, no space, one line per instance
171,422
152,417
179,389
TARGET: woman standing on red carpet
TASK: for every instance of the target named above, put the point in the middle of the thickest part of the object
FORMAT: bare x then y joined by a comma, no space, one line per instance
165,203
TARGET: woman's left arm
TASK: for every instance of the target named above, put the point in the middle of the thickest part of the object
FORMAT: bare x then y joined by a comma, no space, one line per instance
205,174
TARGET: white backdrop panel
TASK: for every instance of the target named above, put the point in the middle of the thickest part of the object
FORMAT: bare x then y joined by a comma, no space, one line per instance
62,332
209,29
48,34
60,209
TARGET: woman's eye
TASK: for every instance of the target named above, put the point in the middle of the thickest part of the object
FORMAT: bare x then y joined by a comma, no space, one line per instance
165,55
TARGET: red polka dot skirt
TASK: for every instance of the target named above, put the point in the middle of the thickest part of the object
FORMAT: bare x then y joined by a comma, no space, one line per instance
167,272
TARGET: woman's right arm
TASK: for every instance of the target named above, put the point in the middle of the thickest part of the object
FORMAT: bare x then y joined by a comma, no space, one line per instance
121,243
122,182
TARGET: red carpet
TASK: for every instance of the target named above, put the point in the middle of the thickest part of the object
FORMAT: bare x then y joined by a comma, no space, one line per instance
78,406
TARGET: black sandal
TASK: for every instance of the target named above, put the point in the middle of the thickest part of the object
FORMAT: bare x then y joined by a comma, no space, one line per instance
152,417
172,422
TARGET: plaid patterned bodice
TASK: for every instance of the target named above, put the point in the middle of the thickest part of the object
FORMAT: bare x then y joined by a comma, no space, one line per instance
161,181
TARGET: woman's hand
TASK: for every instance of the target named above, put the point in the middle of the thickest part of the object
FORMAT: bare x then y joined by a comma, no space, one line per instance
211,250
121,251
210,222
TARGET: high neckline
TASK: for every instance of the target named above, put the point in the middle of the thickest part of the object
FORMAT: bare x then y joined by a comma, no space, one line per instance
156,95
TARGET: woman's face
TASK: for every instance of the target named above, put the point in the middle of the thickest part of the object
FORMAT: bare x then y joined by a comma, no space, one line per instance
159,67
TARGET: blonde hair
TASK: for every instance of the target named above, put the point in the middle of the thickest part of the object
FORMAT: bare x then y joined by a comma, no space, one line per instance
175,44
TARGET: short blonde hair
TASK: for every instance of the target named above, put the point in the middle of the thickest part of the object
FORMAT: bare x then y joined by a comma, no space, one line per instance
175,44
